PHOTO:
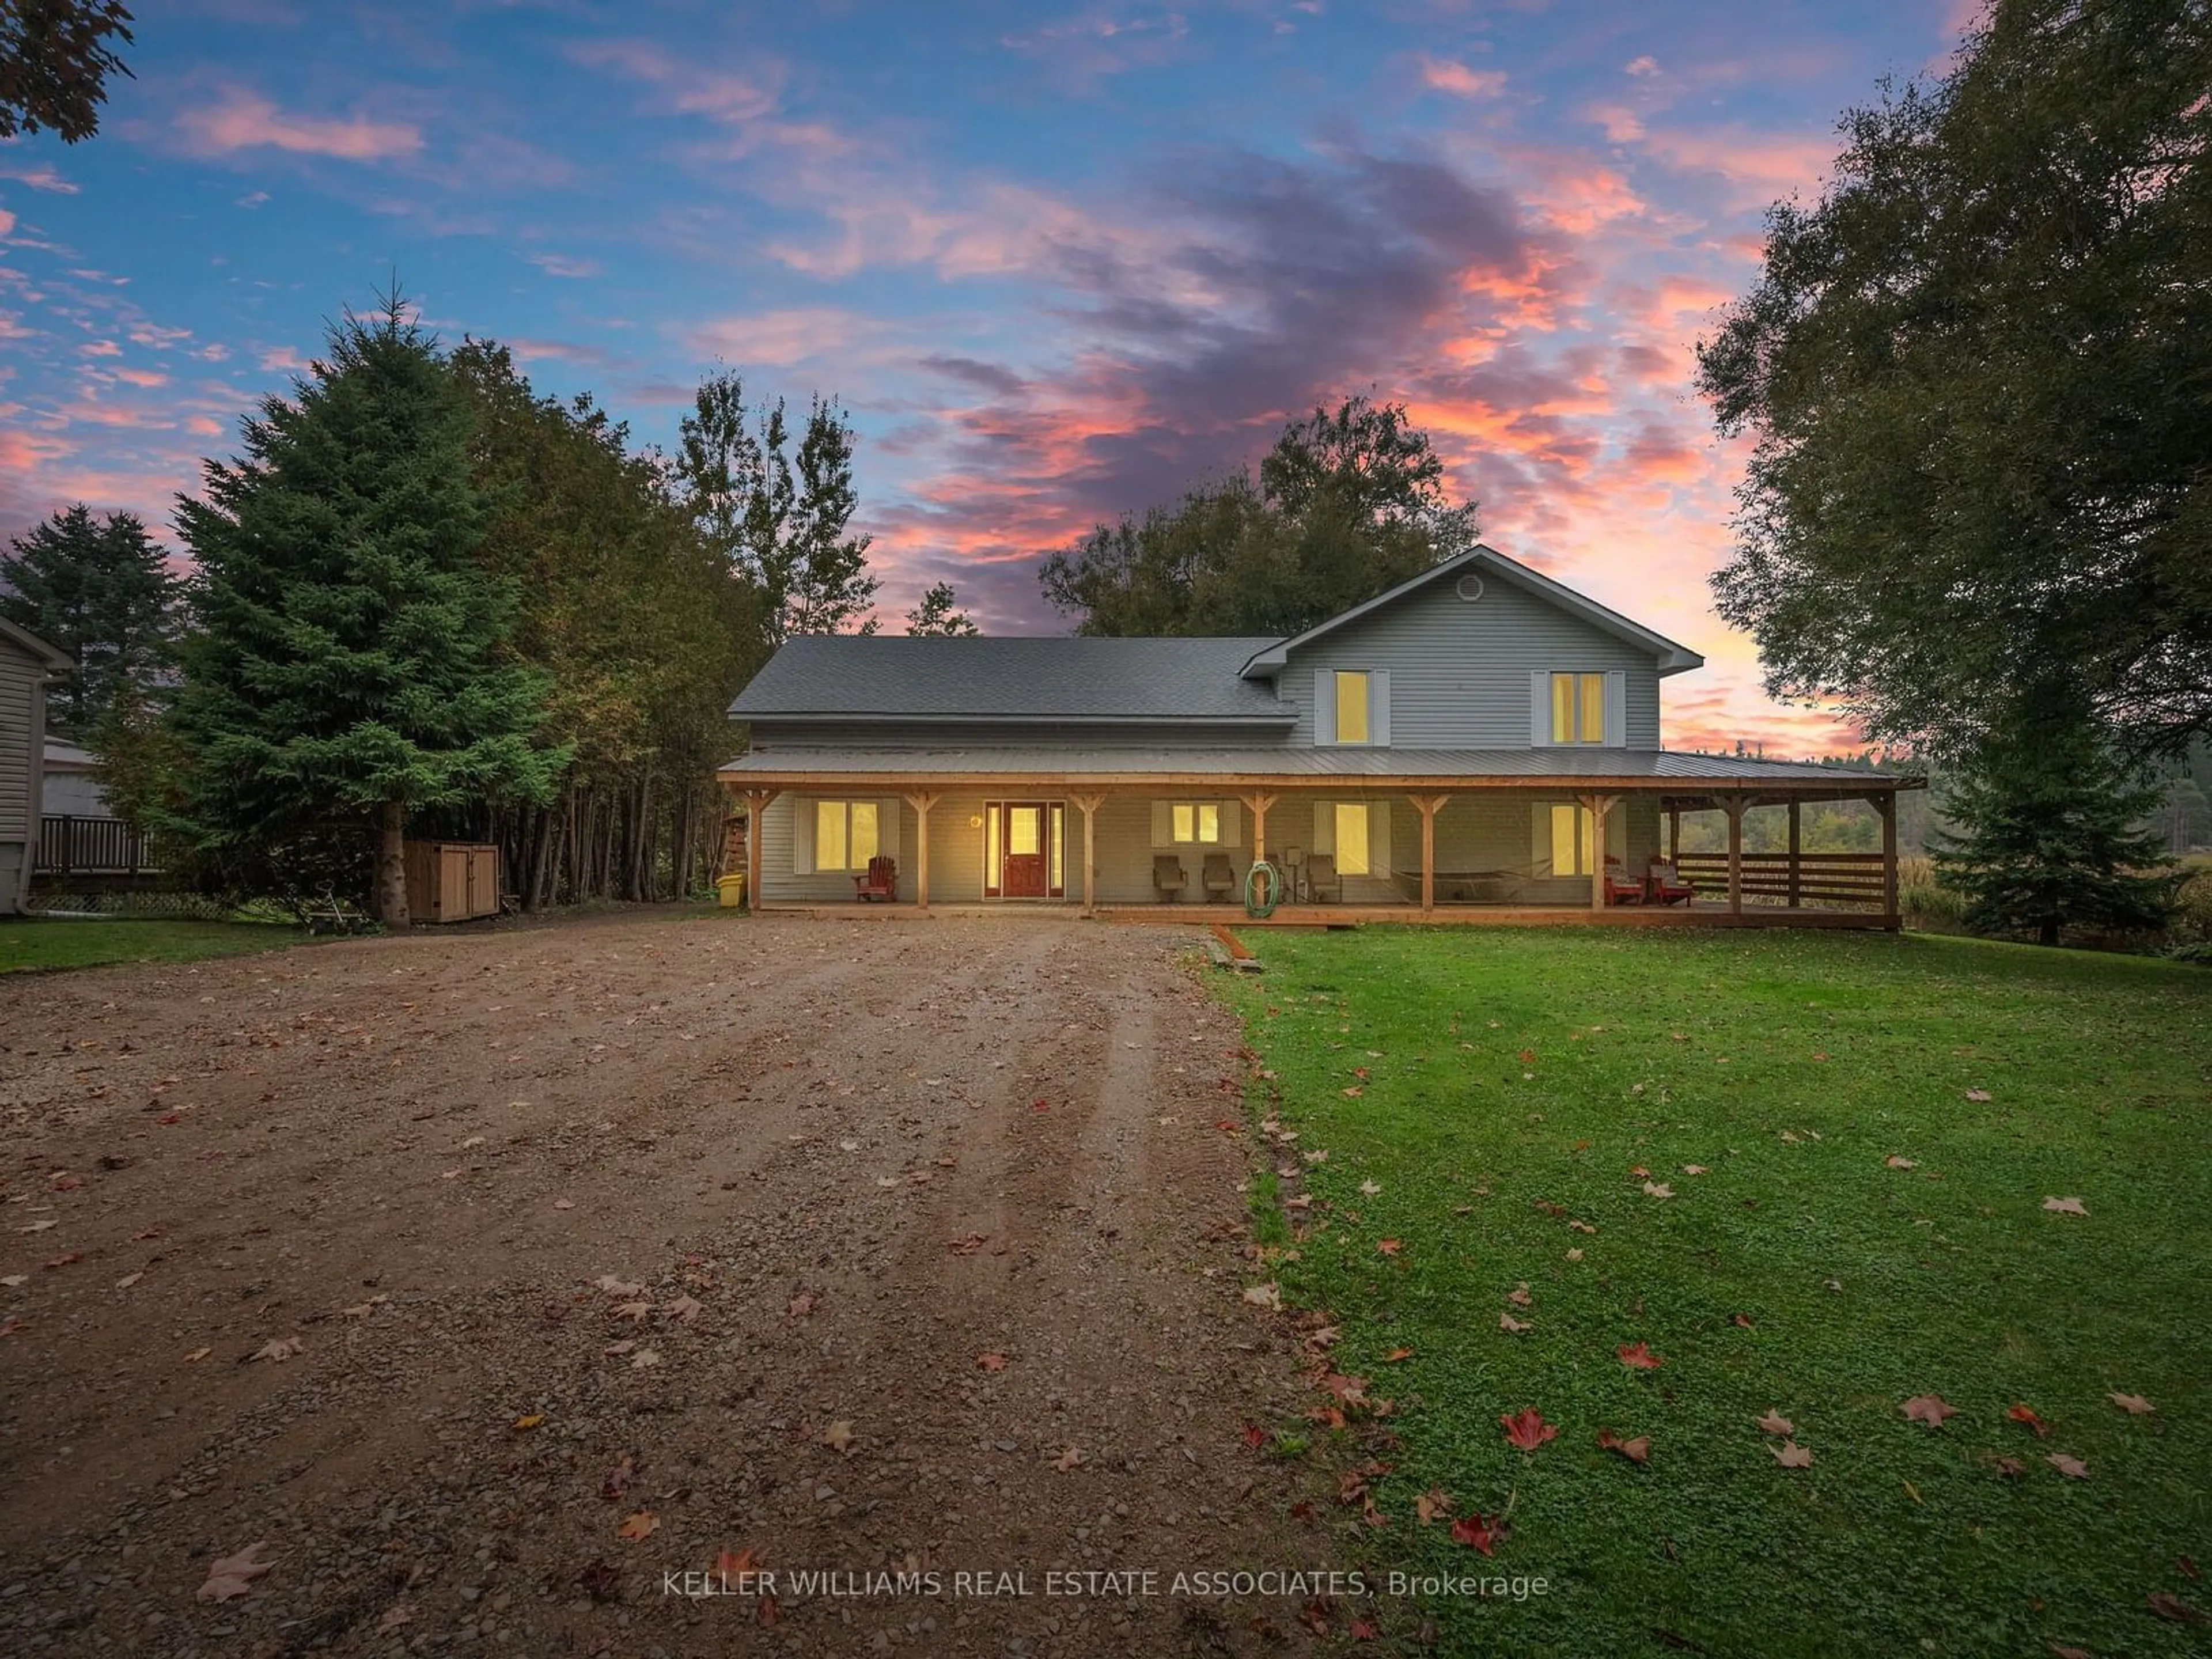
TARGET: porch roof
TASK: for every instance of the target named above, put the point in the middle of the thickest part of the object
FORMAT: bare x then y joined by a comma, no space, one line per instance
1659,770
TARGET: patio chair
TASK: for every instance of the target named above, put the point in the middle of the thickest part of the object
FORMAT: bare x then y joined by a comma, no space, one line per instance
881,881
1619,888
1323,884
1219,878
1666,884
1168,878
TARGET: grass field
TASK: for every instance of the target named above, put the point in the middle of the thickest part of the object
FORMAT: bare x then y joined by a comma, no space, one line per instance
34,942
1859,1134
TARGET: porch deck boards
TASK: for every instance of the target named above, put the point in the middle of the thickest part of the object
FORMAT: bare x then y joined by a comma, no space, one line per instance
1353,915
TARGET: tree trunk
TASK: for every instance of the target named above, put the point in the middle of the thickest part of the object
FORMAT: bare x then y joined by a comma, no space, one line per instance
391,866
2048,933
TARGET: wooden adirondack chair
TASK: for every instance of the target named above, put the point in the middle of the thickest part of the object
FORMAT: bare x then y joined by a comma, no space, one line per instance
881,881
1666,884
1619,889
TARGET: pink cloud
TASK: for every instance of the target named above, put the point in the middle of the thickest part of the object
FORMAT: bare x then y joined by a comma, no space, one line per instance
38,175
1767,165
1448,74
560,265
245,120
146,377
717,95
204,426
6,222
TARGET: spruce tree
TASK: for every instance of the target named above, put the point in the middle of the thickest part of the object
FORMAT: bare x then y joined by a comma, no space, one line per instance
350,662
96,588
2049,827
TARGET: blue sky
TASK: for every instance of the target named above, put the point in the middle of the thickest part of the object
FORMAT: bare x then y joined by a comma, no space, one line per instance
1057,261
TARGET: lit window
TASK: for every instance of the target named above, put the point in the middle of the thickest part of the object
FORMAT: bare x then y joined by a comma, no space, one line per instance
1196,822
1352,858
1352,724
1577,708
1574,841
846,836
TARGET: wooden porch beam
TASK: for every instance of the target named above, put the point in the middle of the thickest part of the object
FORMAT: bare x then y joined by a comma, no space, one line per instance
1428,806
922,803
1597,806
1257,804
1089,803
756,802
1734,805
1885,805
1796,881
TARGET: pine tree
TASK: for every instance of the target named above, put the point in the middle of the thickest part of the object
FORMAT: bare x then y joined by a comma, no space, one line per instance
2050,829
351,661
97,589
829,580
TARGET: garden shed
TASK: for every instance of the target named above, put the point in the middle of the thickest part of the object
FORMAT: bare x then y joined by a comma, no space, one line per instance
452,880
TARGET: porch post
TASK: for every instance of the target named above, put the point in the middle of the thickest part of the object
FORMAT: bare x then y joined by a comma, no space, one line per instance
1886,804
1597,806
1428,806
1257,804
1089,803
922,803
1674,834
1796,885
1734,805
756,802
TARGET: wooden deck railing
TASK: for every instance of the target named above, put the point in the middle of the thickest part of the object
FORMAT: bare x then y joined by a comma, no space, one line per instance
1849,880
70,846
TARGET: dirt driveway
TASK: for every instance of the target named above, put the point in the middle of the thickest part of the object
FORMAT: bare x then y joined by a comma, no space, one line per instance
633,1222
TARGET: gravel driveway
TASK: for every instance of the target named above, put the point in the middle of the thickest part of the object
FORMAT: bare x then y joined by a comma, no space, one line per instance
813,1245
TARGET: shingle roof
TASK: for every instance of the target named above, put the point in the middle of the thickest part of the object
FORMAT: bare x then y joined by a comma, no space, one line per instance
1320,762
844,675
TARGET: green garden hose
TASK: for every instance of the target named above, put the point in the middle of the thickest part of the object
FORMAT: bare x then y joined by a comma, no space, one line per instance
1263,891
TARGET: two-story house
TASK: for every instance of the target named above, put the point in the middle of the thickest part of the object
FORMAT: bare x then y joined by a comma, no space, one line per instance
1478,742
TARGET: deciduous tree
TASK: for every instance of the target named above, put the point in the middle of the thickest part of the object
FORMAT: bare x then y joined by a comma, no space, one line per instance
55,59
937,615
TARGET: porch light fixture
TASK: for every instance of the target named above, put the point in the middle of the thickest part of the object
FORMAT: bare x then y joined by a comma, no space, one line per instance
975,820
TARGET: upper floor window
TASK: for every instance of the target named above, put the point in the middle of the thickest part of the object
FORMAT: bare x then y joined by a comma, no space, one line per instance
1578,708
1352,687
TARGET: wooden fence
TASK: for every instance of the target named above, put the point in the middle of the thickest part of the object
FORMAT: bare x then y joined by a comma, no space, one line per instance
70,845
1849,881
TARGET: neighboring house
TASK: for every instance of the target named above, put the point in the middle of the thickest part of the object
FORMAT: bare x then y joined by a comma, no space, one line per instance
27,664
80,837
1480,741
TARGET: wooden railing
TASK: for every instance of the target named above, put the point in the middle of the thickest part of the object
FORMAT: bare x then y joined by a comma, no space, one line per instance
70,846
1846,880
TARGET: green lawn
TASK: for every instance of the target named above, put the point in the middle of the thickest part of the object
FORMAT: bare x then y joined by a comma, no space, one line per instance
36,942
1518,1082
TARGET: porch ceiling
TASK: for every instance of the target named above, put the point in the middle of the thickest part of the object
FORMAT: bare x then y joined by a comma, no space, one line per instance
1656,771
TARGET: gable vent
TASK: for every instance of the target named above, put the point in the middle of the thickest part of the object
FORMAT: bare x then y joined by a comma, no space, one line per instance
1469,587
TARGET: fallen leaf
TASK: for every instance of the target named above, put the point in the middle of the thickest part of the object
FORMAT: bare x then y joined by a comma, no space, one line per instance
643,1524
644,1359
196,1355
2010,1468
1929,1408
1744,1320
128,1281
1775,1423
619,1287
1369,1190
1527,1430
1695,1169
839,1436
2072,1467
2027,1414
635,1312
1576,1254
1068,1460
619,1477
1397,1354
1637,1451
1638,1357
990,1362
1896,1163
802,1304
473,1140
1431,1504
2134,1404
11,1280
278,1348
65,1261
534,1420
1657,1189
1519,1297
396,1614
65,1182
232,1576
683,1310
1269,1295
564,1204
1507,1322
1978,1094
1388,1246
2174,1608
2065,1206
624,1347
1792,1456
1254,1435
1481,1532
968,1244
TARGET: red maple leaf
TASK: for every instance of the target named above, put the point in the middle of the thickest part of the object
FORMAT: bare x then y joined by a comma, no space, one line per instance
1388,1246
1481,1532
1637,1451
1638,1357
1528,1056
1254,1435
1527,1429
2027,1414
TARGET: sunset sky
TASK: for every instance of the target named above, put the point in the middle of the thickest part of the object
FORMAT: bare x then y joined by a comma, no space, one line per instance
1058,261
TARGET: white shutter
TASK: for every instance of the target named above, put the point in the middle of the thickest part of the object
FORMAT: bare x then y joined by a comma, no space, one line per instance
1324,705
1378,838
1233,823
1539,838
1539,707
1378,706
1616,710
1163,826
802,835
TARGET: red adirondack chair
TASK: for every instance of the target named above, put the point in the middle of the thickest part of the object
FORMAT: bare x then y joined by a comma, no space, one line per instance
1619,889
1666,884
881,881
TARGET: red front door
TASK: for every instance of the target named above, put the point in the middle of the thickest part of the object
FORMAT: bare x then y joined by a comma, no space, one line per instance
1022,873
